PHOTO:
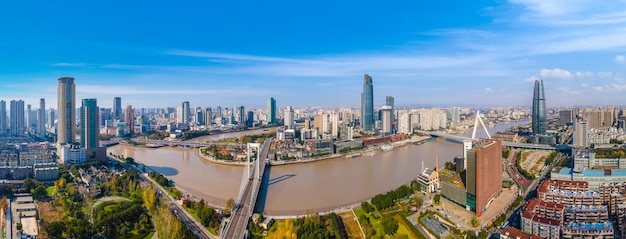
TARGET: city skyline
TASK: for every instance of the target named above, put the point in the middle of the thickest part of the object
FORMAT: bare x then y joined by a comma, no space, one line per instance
243,54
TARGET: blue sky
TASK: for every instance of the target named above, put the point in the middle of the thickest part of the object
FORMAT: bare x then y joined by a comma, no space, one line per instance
467,53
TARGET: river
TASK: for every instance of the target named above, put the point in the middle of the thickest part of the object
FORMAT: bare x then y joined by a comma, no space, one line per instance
296,188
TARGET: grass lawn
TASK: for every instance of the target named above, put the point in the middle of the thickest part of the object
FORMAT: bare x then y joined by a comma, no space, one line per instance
411,231
376,223
149,235
50,190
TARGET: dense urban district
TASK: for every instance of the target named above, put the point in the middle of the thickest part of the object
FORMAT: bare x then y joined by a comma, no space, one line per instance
522,172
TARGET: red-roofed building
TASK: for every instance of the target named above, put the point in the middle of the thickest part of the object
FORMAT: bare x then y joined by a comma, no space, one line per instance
514,233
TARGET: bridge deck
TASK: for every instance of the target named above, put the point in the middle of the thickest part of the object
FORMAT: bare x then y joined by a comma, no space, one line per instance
243,210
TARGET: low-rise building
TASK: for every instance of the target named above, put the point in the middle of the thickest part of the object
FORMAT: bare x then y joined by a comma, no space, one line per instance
429,180
46,172
588,230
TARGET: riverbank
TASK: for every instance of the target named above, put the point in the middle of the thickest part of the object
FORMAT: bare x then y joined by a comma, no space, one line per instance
369,151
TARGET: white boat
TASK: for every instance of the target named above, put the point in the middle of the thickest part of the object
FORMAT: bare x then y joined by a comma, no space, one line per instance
386,147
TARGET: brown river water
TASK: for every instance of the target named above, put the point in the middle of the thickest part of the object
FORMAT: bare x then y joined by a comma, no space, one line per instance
296,188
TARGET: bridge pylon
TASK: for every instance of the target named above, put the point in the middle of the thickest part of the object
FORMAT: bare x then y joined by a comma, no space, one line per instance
479,119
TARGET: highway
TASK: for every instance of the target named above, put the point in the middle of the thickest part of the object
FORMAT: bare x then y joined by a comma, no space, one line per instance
237,227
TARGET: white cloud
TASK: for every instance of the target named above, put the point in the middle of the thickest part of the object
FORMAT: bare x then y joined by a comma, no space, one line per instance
531,79
604,75
488,90
619,58
568,91
584,74
555,73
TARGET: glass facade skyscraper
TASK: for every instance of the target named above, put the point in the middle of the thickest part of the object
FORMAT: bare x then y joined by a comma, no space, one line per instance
367,104
539,109
89,130
117,108
271,111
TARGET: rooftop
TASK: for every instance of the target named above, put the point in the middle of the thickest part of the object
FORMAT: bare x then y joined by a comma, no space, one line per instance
456,181
512,232
588,226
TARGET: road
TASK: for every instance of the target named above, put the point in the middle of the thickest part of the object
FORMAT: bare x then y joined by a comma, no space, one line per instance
188,221
242,212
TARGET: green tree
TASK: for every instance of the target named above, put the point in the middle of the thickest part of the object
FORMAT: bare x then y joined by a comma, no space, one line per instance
229,205
55,229
437,198
367,207
40,192
390,225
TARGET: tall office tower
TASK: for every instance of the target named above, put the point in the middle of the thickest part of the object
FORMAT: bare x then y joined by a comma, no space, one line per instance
317,123
386,120
539,109
51,119
3,117
290,122
129,118
456,114
41,118
66,99
218,112
199,115
404,123
566,116
325,124
242,116
580,133
179,115
186,112
106,117
250,119
89,120
29,117
208,116
334,125
117,108
271,111
389,102
17,117
484,174
367,104
307,123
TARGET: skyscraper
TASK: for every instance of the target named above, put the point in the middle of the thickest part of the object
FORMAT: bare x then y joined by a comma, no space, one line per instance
29,117
250,119
271,111
386,119
367,104
3,117
17,117
580,133
66,98
129,118
51,119
539,109
242,115
41,118
289,118
117,108
186,112
89,135
389,102
484,174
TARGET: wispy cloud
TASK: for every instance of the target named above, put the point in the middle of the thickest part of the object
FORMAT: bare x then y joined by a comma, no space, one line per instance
555,73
